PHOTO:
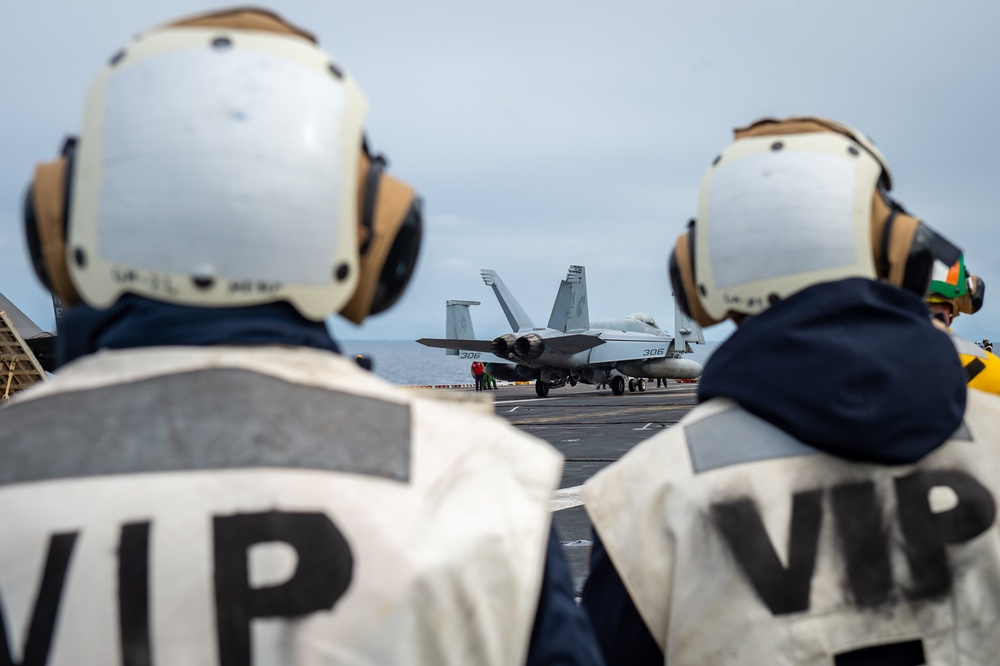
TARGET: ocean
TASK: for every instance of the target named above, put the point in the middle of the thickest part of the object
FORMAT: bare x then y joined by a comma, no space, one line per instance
406,363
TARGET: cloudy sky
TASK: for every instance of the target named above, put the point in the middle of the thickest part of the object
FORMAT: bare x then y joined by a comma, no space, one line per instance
545,133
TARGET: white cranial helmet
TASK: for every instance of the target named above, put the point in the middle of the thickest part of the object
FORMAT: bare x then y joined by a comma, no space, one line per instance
222,163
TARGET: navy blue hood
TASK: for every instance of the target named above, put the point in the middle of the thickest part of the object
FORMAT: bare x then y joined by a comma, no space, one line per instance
135,321
854,368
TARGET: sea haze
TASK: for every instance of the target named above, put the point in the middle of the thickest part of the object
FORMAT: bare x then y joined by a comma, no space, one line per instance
406,363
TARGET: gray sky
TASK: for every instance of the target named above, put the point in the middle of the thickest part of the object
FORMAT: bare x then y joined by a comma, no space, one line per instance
546,133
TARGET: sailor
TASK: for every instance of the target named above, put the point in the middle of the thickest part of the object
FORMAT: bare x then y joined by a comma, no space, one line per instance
832,499
954,291
207,481
951,293
364,362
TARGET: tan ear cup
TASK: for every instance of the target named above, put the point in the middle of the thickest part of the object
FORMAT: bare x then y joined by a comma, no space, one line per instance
49,200
904,229
892,252
685,269
972,300
391,206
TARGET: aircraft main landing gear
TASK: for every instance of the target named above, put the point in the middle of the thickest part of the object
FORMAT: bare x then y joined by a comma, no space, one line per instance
541,388
618,385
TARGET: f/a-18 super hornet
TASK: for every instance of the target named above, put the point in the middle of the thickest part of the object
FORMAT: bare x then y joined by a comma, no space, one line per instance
619,352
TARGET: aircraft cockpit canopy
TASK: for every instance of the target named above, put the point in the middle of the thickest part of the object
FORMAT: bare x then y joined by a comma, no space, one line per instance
644,318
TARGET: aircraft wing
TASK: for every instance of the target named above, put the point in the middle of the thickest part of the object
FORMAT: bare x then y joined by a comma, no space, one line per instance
452,343
476,350
639,348
571,344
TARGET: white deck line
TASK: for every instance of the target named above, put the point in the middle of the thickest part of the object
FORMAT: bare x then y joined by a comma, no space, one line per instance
566,498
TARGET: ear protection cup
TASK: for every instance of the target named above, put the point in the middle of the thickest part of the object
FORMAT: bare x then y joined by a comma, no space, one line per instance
389,233
906,248
46,220
977,294
919,262
397,270
681,269
972,301
904,255
30,219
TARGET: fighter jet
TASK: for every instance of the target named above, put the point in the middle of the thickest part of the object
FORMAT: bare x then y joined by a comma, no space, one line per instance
619,352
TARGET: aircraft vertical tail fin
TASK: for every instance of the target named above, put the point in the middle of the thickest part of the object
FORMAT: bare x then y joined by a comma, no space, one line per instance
570,311
686,328
516,315
458,322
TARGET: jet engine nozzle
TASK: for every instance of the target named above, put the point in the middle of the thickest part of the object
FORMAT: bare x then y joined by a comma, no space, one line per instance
503,346
529,346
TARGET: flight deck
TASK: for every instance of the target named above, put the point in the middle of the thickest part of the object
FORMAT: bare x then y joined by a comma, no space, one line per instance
592,428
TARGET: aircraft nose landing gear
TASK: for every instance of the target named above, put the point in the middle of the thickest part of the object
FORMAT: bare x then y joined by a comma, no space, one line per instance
541,388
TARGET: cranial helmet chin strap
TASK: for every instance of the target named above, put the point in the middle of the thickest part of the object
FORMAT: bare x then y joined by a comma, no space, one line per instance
376,166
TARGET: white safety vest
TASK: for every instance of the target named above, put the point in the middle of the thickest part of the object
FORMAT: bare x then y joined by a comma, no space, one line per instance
247,506
741,545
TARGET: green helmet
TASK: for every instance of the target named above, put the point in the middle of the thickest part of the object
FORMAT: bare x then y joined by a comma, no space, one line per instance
948,282
956,287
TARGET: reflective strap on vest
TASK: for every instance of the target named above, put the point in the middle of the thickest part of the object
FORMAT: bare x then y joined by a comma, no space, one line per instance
733,437
203,420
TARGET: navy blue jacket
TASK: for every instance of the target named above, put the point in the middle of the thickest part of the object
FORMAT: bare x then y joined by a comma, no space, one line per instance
561,634
854,368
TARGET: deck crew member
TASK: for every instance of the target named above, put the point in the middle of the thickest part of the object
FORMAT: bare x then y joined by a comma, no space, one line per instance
207,481
831,500
952,292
